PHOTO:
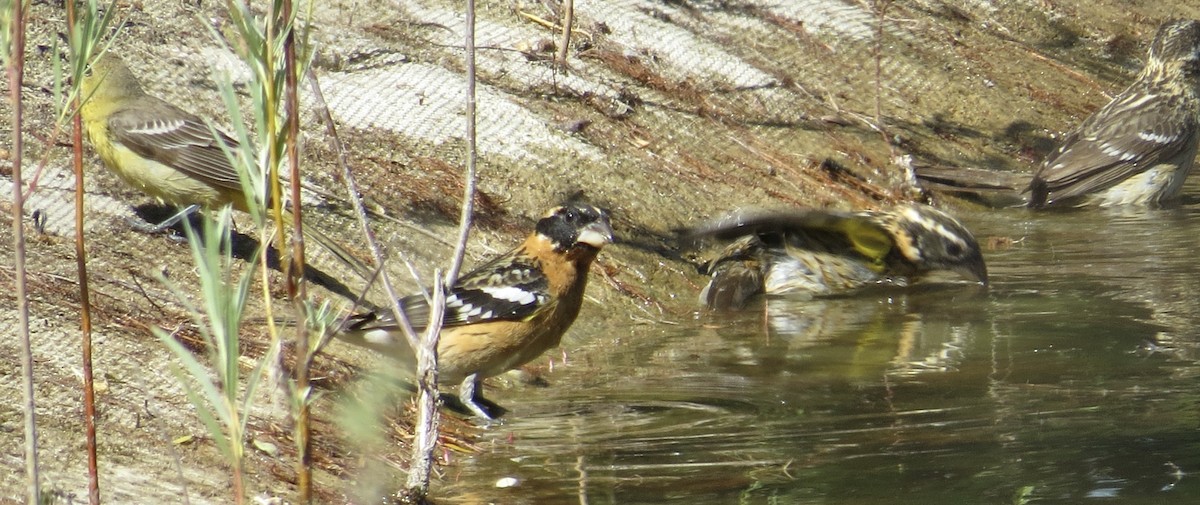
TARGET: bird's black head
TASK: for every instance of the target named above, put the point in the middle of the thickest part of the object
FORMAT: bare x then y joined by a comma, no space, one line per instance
933,240
576,225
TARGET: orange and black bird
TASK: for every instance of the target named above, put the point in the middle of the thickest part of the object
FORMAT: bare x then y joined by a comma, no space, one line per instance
825,252
506,312
1138,149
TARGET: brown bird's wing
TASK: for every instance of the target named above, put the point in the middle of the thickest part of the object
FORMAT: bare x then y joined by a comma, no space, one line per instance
1105,150
749,222
163,133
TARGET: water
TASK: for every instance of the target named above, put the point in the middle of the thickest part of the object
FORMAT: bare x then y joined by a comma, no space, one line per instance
1072,379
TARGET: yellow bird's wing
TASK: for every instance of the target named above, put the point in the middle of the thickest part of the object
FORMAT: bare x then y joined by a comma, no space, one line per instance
163,133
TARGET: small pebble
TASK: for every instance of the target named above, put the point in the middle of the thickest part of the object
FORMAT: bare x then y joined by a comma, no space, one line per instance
267,448
506,482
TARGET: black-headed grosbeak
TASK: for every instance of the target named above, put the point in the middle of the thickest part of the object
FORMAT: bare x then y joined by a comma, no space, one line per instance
506,312
1138,149
825,252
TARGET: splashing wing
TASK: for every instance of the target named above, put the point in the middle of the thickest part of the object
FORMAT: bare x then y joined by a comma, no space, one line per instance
868,239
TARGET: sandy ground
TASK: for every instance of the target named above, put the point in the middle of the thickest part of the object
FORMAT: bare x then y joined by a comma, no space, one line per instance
671,112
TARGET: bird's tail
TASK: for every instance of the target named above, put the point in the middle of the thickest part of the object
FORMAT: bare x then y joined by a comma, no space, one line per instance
340,253
995,188
342,284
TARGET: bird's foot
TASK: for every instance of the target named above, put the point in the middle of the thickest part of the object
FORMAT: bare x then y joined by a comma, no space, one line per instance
165,225
470,400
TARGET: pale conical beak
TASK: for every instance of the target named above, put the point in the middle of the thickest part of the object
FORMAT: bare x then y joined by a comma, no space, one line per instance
976,271
596,234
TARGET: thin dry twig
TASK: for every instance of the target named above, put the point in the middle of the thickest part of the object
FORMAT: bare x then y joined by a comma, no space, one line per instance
544,22
296,287
427,415
321,107
16,74
880,7
85,305
352,188
568,19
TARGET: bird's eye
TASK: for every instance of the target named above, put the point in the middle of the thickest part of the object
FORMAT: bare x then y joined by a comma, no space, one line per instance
571,215
954,249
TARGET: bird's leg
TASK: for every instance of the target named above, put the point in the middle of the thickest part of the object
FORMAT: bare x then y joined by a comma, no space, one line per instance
468,394
145,227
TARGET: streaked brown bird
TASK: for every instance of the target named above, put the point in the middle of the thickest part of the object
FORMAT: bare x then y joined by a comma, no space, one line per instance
826,252
1135,151
1138,149
505,313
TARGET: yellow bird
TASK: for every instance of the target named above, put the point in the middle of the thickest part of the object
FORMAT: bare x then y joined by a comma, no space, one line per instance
166,152
154,146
